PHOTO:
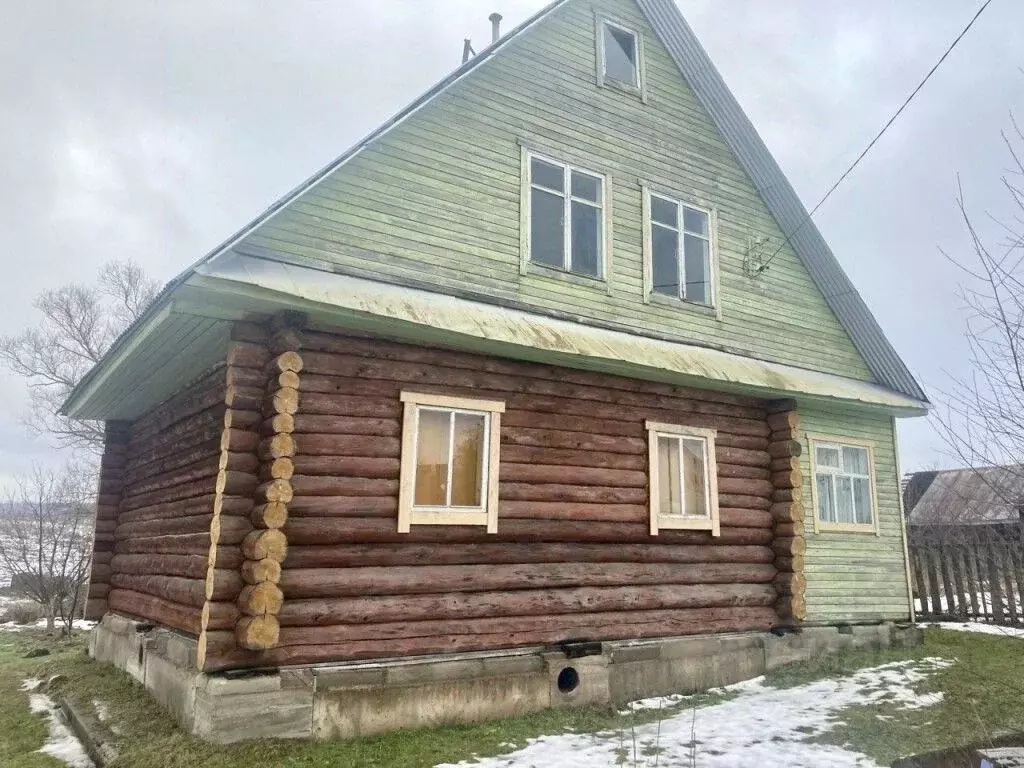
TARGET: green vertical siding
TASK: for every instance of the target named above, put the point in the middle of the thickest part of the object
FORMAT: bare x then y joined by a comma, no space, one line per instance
437,198
856,576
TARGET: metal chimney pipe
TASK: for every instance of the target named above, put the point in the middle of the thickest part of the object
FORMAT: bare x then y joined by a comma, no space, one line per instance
495,19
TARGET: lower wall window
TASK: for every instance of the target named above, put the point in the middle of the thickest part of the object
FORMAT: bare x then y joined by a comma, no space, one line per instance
449,472
683,477
844,485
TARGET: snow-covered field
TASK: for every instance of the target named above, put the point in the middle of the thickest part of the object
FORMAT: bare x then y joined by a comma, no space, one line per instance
10,626
984,629
760,726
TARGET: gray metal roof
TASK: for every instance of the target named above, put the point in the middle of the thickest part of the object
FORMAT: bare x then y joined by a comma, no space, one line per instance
696,67
780,197
970,497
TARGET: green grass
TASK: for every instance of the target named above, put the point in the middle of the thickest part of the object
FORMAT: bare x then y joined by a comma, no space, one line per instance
983,697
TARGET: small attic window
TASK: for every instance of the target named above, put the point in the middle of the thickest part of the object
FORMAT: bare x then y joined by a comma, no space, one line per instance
620,57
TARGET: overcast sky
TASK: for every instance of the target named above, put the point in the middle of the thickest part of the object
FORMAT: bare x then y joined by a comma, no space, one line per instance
152,130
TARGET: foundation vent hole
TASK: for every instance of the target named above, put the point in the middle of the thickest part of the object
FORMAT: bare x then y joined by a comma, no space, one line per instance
568,680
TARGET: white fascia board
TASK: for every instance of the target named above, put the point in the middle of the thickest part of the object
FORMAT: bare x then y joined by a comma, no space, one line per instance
264,284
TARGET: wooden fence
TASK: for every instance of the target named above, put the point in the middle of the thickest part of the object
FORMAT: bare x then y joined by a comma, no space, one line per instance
968,573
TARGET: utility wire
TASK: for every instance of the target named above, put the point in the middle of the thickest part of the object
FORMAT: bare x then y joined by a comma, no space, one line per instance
881,133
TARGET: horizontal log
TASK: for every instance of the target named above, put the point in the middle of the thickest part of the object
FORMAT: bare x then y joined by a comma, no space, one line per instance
352,530
238,462
262,544
190,543
95,608
358,610
779,435
236,418
344,506
337,404
236,483
155,609
787,511
274,514
740,501
195,472
279,423
785,464
356,555
788,530
560,510
240,440
579,625
187,591
244,398
309,485
741,471
256,633
258,571
788,494
420,579
221,615
98,590
180,525
260,599
744,518
205,393
540,473
583,494
192,566
230,505
102,558
347,466
792,607
784,420
577,441
347,425
252,378
367,446
794,564
789,547
246,354
783,448
790,583
790,479
745,486
524,454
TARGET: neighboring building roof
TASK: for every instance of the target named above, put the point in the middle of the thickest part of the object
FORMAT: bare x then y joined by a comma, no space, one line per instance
969,496
753,155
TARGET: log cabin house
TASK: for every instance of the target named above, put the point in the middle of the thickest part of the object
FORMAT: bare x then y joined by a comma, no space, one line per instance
545,393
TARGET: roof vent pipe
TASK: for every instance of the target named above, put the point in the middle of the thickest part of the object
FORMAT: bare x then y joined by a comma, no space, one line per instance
495,19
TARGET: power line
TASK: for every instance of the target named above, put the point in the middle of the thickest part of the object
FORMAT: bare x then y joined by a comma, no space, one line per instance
881,133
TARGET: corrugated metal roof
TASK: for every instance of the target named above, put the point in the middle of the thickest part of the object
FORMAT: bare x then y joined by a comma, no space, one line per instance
971,497
780,197
695,65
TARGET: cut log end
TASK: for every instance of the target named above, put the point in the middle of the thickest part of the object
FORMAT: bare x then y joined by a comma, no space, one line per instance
259,545
258,633
260,571
271,515
261,599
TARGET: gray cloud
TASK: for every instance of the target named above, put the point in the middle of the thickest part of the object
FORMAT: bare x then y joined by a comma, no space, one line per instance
153,130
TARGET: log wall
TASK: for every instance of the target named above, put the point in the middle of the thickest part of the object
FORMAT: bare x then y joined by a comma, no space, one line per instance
170,479
573,557
115,446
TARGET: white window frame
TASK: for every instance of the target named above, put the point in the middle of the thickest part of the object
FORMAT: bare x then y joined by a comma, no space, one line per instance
603,263
487,514
603,81
650,294
829,441
688,522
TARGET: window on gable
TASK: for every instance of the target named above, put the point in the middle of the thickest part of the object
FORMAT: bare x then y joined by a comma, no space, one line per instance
683,481
680,251
449,468
566,217
843,486
621,55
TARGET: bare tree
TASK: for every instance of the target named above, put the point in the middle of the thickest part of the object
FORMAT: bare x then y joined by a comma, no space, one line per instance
45,539
78,325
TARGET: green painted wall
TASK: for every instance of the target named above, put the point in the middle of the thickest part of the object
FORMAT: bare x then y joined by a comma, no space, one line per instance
856,576
437,199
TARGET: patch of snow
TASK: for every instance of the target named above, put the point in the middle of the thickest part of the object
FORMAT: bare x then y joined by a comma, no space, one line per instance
759,726
62,743
102,710
1005,757
979,627
656,702
11,626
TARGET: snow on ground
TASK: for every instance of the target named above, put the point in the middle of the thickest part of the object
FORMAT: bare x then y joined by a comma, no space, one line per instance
976,626
62,743
759,726
11,626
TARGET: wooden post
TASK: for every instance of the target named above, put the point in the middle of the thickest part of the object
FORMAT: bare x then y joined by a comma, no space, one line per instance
959,583
947,582
115,446
971,582
920,588
787,509
994,582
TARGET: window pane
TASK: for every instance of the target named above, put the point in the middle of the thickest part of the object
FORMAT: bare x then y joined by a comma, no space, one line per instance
695,483
665,269
619,55
669,485
698,286
547,233
586,186
844,499
826,499
586,239
432,458
828,457
862,499
695,221
855,460
468,460
547,175
664,212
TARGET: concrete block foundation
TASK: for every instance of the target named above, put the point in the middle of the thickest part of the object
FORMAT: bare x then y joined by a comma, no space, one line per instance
361,698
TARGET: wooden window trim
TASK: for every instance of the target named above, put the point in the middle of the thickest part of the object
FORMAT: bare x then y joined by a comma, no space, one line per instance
526,264
649,294
659,522
408,513
873,529
640,89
